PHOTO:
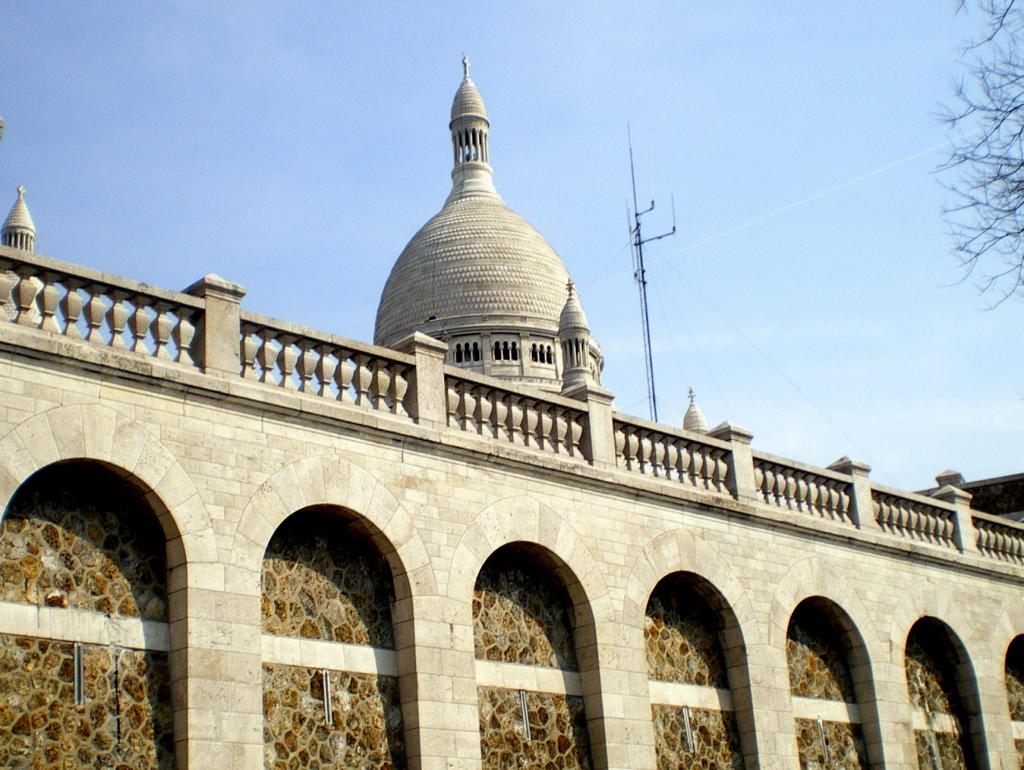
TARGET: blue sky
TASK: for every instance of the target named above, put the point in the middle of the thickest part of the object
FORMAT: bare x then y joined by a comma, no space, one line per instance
809,295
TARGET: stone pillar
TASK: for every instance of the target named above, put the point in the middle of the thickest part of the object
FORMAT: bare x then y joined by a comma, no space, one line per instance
965,536
426,388
741,460
599,437
861,505
218,331
772,708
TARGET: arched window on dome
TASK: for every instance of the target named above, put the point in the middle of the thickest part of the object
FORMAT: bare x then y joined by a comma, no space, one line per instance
550,357
458,354
533,352
476,351
515,351
504,351
497,351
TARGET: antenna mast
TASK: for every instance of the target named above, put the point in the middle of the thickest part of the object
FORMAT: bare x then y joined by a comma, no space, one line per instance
640,276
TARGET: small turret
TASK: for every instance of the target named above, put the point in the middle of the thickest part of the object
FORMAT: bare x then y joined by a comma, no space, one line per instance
693,420
574,333
19,231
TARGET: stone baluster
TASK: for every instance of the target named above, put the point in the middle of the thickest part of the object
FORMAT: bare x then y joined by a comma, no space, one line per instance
559,431
380,381
25,296
671,458
162,329
184,333
361,379
324,368
484,410
576,441
515,419
343,375
8,280
71,306
287,357
95,313
267,357
683,463
306,365
544,422
531,423
49,300
501,416
398,389
250,348
138,324
467,409
117,317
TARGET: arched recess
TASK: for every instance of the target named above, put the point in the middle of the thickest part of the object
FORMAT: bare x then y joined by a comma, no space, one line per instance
696,624
529,689
94,432
824,626
543,542
297,516
330,671
689,627
84,632
830,682
1015,692
943,694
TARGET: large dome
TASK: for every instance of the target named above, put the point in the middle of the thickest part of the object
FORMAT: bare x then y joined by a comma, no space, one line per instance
476,262
478,276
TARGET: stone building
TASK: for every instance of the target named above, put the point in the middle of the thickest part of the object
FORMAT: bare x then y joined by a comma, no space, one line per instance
230,541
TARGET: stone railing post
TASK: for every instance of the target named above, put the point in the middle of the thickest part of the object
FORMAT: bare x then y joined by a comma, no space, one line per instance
599,436
861,504
426,388
217,343
741,460
964,534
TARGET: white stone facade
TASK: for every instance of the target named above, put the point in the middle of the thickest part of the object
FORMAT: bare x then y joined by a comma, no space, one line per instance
231,422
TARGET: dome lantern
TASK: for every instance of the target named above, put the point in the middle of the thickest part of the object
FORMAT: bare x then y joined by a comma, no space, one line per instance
469,126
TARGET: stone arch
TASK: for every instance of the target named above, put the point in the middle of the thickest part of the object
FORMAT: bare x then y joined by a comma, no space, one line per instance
550,543
83,438
812,585
324,480
524,519
678,553
94,432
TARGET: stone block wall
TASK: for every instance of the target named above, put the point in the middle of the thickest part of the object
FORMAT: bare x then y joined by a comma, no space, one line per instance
843,741
715,739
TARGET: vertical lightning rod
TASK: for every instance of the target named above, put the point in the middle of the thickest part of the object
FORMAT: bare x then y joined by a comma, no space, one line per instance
640,276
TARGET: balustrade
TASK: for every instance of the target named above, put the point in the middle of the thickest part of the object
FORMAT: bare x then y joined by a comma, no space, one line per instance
554,425
999,538
901,515
700,464
813,491
82,304
325,366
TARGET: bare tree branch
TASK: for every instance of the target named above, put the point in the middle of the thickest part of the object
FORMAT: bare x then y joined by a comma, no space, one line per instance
987,216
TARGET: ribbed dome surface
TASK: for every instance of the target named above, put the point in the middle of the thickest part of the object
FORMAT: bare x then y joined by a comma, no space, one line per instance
467,100
474,259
